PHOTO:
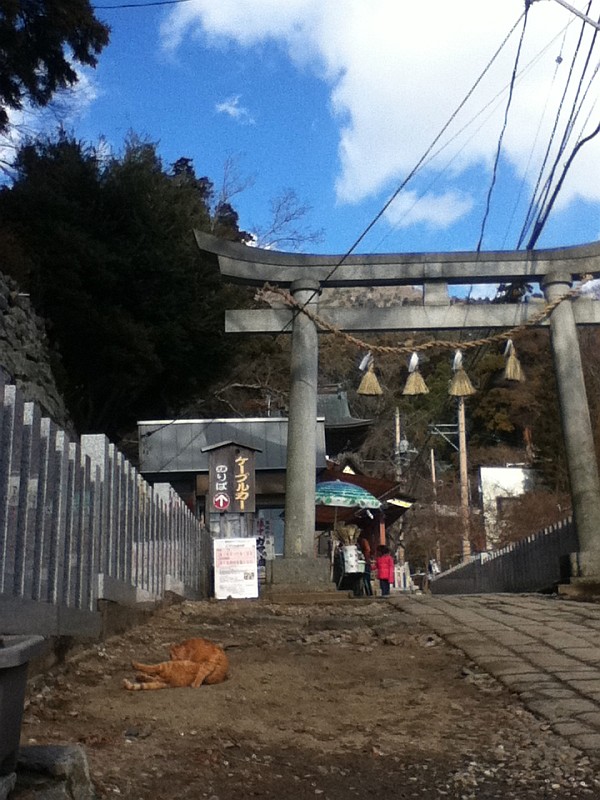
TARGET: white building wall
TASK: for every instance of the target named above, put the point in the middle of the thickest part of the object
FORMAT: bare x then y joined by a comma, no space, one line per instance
496,483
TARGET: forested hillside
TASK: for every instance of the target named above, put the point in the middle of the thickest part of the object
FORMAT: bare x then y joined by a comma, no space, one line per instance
104,246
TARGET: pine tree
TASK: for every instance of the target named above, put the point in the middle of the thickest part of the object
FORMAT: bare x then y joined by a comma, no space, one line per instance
38,39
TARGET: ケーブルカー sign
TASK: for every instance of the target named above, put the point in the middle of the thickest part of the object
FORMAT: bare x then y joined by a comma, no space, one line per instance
231,478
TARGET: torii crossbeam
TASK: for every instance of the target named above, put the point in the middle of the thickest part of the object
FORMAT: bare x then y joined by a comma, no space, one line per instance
554,269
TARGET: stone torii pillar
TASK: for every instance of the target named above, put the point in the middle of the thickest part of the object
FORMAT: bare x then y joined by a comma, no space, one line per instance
555,269
577,427
302,428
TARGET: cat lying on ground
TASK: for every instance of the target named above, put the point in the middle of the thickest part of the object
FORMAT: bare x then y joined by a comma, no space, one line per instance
209,655
193,662
163,676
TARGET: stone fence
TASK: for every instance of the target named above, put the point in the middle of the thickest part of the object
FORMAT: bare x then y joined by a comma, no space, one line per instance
538,563
79,524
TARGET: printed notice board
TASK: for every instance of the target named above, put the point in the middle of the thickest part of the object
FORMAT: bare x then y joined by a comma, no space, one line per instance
236,571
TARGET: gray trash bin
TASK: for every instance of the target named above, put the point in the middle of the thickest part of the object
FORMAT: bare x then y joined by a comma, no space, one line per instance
15,654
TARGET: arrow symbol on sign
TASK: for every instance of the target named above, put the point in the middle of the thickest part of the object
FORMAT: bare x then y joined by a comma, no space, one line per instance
221,501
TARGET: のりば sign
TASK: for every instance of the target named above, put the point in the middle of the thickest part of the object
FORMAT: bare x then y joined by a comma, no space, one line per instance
236,570
231,478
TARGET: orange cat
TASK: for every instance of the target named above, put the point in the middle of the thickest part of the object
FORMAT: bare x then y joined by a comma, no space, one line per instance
165,675
210,657
193,662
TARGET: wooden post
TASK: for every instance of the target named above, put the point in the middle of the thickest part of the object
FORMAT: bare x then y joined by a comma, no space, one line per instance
464,481
438,549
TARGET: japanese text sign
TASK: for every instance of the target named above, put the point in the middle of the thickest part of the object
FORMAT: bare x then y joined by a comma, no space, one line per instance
236,571
231,479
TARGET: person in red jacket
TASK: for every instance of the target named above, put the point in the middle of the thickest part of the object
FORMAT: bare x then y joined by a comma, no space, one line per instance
385,569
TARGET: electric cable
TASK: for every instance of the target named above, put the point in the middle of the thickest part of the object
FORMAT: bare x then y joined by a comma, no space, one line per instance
141,5
542,202
543,218
535,201
502,132
522,183
411,174
492,105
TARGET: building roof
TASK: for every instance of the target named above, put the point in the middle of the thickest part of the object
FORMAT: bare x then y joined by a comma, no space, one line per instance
342,430
183,445
332,403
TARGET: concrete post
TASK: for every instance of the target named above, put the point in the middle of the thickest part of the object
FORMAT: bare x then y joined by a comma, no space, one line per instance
302,429
577,428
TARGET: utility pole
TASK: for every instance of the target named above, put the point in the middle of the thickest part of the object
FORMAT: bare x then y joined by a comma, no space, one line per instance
464,480
438,549
397,456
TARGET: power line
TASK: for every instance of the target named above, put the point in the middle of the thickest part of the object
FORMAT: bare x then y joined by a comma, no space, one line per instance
411,174
502,132
423,158
492,105
539,200
142,5
549,199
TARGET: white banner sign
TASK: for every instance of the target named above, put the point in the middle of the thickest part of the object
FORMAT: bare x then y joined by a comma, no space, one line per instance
236,574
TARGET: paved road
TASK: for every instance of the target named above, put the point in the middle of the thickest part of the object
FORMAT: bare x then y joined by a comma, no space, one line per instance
544,648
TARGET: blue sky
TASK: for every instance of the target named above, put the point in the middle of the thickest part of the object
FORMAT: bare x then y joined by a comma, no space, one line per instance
339,100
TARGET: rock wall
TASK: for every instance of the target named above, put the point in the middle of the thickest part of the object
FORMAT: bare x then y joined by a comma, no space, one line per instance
25,353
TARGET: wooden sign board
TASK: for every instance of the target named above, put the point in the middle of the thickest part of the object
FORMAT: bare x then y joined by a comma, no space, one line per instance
232,479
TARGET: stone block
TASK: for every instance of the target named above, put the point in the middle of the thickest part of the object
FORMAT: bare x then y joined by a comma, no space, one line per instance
54,772
586,564
301,574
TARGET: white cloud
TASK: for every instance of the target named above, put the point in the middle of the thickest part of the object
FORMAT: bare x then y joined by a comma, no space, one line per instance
232,108
246,21
437,210
398,70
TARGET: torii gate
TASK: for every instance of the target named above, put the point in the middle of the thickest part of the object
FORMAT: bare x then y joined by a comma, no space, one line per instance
554,269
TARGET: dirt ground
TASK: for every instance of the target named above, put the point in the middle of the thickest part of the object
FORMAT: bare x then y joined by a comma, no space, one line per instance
350,699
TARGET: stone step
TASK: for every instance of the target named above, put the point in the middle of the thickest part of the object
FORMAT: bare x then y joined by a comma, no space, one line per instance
299,597
580,589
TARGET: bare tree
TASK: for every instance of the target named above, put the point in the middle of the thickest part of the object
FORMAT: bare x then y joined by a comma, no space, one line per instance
287,229
234,181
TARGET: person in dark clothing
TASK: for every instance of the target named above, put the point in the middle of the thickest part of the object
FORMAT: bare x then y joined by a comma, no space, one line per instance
365,549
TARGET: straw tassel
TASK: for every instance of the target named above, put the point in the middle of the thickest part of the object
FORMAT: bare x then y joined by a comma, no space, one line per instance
369,384
513,370
460,385
414,383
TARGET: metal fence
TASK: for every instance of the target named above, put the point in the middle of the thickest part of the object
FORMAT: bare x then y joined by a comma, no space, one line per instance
538,563
79,524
